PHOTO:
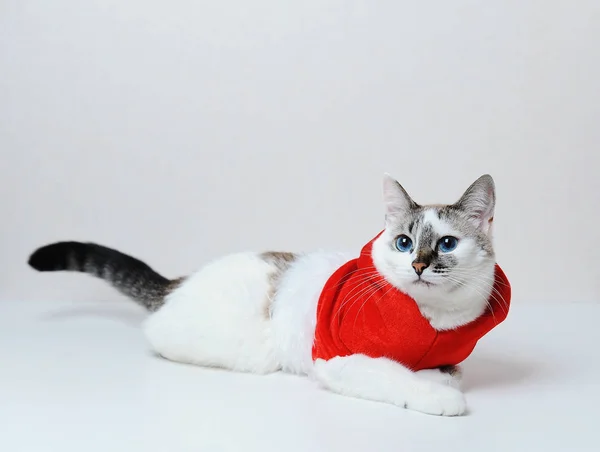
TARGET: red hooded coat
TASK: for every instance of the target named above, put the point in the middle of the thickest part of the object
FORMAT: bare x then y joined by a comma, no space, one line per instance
361,313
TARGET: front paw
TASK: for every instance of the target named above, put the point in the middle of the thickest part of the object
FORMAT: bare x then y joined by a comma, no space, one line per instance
440,400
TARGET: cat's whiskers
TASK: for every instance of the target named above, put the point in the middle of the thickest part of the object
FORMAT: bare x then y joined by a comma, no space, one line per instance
359,291
367,295
486,293
365,302
353,277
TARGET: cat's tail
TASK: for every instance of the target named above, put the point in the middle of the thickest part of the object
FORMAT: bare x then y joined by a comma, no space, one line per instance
127,274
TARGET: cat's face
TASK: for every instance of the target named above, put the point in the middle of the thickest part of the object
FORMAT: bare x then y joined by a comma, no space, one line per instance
431,252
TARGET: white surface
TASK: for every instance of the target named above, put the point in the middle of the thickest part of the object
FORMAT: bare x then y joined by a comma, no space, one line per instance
78,377
180,131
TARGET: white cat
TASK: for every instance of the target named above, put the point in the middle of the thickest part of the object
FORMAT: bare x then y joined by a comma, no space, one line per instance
257,312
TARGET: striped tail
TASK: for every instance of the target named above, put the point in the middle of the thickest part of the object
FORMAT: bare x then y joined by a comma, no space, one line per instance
127,274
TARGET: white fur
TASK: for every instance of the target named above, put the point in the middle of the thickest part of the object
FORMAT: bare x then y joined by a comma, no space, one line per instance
294,308
442,228
222,315
384,380
217,318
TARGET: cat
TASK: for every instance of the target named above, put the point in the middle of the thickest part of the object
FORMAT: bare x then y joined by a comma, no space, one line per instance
257,312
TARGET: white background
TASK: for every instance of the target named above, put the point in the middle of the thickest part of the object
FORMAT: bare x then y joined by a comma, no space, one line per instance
178,131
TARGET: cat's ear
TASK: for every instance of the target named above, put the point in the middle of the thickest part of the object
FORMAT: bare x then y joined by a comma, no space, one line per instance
397,201
478,202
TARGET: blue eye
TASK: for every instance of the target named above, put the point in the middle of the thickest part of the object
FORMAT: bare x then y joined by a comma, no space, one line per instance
447,244
403,243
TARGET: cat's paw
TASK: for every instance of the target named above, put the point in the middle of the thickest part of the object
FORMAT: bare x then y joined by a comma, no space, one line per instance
448,375
438,399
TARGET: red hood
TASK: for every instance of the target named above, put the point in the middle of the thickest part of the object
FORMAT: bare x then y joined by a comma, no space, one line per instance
360,312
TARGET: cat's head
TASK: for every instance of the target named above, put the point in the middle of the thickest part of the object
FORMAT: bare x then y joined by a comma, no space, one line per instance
437,251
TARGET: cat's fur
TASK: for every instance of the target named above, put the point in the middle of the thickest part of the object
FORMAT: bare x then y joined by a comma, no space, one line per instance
256,312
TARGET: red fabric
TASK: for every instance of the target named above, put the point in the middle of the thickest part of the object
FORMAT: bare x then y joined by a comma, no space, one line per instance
358,312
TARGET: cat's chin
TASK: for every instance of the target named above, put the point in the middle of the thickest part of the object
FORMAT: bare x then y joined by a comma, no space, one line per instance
423,283
423,289
418,284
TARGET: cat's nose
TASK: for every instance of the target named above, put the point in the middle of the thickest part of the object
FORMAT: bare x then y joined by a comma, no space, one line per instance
419,267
